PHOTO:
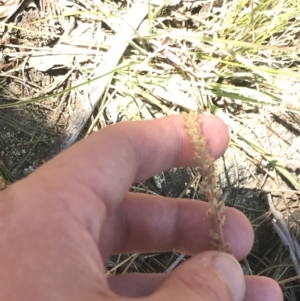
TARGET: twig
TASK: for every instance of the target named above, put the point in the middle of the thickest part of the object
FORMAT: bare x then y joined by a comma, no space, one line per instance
287,239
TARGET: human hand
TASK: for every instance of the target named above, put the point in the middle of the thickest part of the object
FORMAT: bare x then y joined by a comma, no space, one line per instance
61,223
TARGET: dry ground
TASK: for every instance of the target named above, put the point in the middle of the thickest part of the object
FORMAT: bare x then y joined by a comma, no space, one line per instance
70,68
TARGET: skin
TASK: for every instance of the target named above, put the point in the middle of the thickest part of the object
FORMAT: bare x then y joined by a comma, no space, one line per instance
61,223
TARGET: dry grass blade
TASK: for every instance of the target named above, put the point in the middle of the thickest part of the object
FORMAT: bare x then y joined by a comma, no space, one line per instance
279,167
95,91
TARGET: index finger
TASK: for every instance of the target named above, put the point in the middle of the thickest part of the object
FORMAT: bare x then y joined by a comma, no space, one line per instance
105,165
112,159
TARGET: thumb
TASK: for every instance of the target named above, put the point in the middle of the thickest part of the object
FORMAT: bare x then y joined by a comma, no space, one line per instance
209,276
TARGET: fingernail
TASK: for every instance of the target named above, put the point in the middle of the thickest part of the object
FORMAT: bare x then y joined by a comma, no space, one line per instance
232,273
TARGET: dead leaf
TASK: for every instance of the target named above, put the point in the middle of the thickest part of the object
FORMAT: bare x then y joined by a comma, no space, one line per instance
8,8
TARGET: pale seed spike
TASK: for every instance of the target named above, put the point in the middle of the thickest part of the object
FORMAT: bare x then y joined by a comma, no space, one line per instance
214,235
206,169
217,192
220,207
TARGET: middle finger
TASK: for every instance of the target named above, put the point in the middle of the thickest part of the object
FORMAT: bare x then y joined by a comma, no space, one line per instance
146,223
